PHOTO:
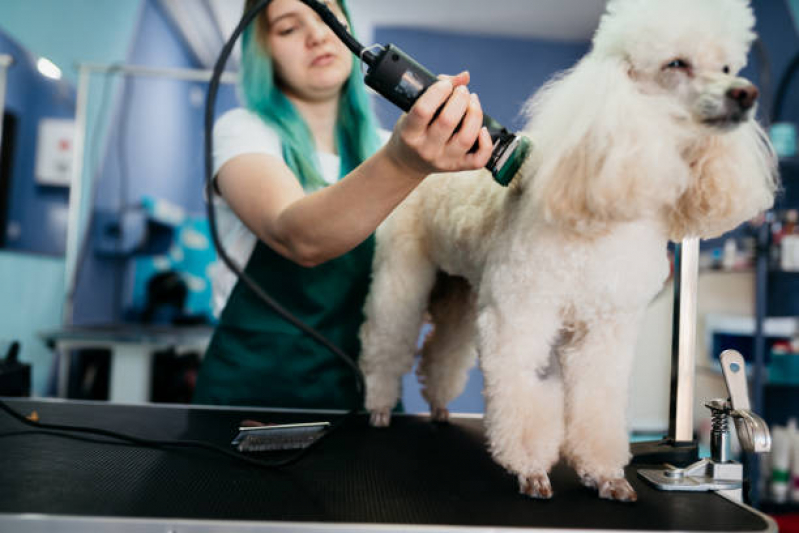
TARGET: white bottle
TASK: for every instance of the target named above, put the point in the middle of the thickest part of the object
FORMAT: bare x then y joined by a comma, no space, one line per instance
730,256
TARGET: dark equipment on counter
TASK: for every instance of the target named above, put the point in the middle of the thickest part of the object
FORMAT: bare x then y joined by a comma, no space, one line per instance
15,377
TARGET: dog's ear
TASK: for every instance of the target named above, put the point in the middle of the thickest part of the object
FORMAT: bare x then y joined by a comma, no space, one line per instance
734,177
605,150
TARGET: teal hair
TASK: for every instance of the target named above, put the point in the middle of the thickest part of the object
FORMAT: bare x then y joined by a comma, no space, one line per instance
356,129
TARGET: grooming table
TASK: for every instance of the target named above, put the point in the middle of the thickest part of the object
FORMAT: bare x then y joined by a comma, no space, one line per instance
413,476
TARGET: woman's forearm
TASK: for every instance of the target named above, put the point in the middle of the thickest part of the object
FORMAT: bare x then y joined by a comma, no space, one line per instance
436,135
334,220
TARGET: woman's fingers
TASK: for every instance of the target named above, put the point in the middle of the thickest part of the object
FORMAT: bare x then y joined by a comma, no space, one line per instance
466,136
458,79
452,114
442,128
485,146
424,110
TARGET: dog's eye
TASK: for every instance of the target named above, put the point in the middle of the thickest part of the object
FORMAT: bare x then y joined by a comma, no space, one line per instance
678,63
726,69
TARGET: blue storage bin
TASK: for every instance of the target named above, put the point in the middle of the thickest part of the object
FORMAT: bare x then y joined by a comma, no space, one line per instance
784,368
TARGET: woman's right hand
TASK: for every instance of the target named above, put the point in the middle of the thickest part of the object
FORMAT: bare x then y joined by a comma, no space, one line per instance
424,142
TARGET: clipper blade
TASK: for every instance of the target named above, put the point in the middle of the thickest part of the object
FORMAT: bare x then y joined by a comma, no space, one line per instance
511,160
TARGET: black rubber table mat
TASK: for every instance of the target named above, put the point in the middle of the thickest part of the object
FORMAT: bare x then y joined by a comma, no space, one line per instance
414,472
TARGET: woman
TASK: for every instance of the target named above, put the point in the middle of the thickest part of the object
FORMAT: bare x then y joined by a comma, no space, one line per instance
302,182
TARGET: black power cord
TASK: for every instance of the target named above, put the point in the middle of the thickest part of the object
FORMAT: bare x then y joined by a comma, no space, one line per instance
67,430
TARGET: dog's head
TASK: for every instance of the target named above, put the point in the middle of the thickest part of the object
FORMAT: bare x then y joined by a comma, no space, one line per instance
655,121
690,50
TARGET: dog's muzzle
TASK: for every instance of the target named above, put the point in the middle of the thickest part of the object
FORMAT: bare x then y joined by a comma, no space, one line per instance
743,97
737,106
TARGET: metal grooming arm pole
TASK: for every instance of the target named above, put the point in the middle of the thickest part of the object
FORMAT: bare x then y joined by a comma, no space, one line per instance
679,447
718,472
683,346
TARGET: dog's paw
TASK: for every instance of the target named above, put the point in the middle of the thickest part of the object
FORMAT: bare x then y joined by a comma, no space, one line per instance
536,486
611,488
439,414
380,418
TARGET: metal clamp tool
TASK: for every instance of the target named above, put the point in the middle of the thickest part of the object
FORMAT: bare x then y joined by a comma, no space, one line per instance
720,472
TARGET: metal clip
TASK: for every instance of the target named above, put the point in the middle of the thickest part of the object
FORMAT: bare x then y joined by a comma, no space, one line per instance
719,472
752,430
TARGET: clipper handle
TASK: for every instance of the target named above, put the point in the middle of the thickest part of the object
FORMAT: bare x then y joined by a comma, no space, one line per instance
400,79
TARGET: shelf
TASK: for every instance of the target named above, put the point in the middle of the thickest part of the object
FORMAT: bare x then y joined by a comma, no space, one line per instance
789,175
745,325
782,287
781,387
778,385
770,507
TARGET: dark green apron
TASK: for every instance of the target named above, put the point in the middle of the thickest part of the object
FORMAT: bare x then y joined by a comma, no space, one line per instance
257,358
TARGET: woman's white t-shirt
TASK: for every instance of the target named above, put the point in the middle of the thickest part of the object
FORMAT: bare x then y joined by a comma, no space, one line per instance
239,132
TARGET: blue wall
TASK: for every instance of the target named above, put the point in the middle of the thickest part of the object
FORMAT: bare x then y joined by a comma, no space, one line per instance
87,31
775,26
504,71
37,214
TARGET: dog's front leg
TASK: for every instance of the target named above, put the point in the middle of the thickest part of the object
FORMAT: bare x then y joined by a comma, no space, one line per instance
523,391
394,309
596,371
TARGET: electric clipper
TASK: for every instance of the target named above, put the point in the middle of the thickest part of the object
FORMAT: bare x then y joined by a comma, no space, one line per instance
400,79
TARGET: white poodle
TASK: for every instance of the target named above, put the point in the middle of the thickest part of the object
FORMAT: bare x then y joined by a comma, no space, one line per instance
650,137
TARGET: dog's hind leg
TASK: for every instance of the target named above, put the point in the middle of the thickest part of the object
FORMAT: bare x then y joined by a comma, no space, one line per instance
523,390
449,352
402,279
596,370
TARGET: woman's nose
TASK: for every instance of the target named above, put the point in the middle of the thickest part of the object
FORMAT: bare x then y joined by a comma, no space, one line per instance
318,31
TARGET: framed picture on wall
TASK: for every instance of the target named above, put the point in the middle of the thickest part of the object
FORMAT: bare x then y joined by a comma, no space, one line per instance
54,148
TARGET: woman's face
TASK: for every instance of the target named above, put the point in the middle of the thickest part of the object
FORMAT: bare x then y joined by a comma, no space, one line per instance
310,62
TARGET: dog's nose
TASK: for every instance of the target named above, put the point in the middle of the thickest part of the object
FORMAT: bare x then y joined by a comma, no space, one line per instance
744,96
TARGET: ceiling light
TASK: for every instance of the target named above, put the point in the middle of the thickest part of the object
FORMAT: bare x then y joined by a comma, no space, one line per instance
48,69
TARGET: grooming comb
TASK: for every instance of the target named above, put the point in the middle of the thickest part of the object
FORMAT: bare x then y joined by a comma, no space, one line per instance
273,437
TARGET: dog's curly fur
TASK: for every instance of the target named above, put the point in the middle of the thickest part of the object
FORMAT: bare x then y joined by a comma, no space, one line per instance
650,137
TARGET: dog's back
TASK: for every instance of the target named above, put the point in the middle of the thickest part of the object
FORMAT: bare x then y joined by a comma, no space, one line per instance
454,217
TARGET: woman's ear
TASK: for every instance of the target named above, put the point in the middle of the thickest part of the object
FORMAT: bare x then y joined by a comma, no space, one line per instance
605,150
734,178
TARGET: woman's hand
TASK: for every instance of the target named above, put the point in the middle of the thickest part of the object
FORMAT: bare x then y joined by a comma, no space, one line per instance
425,142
